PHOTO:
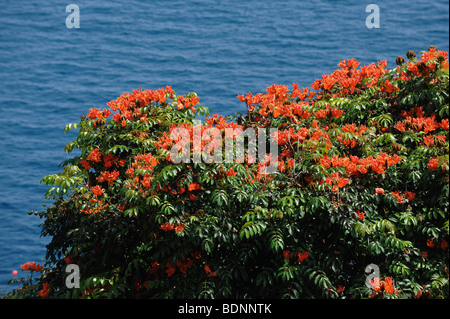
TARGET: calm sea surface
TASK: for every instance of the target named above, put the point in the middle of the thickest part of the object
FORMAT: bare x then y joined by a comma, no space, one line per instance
50,75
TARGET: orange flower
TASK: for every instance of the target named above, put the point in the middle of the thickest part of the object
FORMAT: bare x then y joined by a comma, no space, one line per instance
444,244
336,112
360,215
428,139
336,181
85,164
430,243
170,269
316,84
146,181
303,256
209,273
94,156
419,294
25,266
379,191
328,81
321,114
94,113
97,190
375,282
180,228
342,182
193,186
231,172
410,195
389,285
433,163
167,226
391,160
109,177
116,117
399,126
110,160
38,268
44,291
340,289
32,266
397,195
184,266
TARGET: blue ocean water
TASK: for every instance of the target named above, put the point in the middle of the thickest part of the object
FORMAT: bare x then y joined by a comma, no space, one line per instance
50,75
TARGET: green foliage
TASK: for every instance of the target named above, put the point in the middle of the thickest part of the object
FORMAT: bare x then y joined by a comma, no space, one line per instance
365,183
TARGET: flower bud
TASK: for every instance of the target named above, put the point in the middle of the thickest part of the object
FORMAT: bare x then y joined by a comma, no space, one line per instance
410,54
400,60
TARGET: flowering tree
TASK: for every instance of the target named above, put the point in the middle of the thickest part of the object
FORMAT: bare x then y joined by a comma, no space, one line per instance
362,178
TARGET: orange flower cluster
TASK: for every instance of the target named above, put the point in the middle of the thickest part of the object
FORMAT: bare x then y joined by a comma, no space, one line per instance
328,112
302,256
217,119
140,98
381,286
220,123
291,136
129,104
109,177
43,293
251,100
431,242
171,269
187,102
182,264
433,163
301,93
409,195
208,271
96,206
348,77
277,102
97,190
423,293
147,162
32,266
280,102
430,140
360,215
201,138
111,160
95,113
356,166
271,103
169,227
336,181
96,155
429,61
415,120
356,132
